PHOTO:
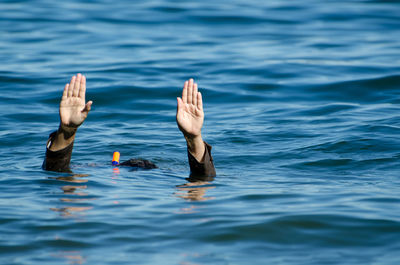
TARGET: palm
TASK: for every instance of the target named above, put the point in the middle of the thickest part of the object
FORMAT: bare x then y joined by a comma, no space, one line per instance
73,110
190,119
190,115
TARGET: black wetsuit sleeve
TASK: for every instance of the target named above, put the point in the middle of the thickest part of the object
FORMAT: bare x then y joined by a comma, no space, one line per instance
204,170
57,160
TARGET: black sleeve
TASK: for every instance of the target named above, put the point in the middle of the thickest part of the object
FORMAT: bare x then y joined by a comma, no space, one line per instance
57,160
202,171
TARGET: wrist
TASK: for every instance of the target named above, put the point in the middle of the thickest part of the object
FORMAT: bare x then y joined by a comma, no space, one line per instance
193,140
64,137
67,131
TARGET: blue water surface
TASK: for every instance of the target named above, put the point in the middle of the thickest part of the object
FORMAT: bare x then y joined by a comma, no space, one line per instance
301,104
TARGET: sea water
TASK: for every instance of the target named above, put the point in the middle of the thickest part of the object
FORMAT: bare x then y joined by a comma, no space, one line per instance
301,103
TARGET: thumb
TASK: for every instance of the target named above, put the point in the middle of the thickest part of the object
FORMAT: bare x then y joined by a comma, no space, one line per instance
88,107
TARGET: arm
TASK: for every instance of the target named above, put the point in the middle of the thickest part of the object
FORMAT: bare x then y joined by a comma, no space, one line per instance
73,112
190,118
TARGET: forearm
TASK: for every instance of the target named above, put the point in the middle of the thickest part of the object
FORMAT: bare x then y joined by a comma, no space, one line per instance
202,169
57,159
59,149
196,148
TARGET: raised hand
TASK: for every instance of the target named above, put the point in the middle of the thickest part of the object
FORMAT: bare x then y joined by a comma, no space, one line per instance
190,118
73,110
190,115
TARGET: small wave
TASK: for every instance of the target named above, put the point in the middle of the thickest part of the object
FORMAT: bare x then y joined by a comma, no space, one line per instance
322,230
380,89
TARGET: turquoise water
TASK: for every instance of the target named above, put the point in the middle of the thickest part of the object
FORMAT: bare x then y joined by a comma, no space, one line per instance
302,110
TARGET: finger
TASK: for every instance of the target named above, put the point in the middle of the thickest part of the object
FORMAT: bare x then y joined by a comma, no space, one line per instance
199,101
65,92
88,107
184,92
71,86
179,106
194,96
77,85
82,90
190,91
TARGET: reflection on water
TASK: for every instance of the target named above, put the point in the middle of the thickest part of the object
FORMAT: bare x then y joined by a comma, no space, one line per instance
75,178
194,191
72,257
194,255
73,190
69,211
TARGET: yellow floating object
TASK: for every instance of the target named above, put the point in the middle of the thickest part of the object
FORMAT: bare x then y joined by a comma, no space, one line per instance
115,160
